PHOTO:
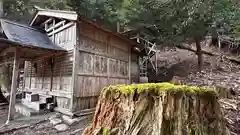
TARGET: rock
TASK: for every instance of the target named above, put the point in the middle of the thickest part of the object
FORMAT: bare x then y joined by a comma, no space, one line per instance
61,127
55,121
57,115
69,120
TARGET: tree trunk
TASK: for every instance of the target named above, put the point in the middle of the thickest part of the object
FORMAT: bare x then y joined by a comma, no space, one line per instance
199,53
1,9
142,113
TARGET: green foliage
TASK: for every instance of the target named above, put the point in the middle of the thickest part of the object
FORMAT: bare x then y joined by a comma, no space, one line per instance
178,20
104,131
23,10
158,88
105,12
17,10
181,20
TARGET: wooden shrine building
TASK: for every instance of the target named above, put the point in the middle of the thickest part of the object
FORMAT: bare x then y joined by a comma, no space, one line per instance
69,59
19,43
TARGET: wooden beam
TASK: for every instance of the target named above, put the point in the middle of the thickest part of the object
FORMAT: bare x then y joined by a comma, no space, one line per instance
8,50
75,68
34,20
56,25
61,28
47,21
45,24
13,86
4,63
68,15
108,60
129,66
156,64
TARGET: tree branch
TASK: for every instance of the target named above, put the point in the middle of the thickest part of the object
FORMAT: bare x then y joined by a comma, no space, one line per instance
232,59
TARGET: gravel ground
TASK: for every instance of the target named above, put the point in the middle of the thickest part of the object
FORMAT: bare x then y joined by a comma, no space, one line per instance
46,128
3,114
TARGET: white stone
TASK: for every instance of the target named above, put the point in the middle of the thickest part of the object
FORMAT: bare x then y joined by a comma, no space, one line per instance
55,121
77,131
61,127
57,115
69,120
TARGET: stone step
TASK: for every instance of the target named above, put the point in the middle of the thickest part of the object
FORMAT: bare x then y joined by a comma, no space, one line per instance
26,111
39,105
45,99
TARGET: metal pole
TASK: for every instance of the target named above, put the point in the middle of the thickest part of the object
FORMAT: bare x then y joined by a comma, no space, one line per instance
13,86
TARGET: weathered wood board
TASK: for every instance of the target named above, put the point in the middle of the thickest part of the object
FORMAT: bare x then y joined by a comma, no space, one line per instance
103,61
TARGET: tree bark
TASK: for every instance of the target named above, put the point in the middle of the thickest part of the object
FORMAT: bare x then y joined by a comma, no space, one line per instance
1,9
199,53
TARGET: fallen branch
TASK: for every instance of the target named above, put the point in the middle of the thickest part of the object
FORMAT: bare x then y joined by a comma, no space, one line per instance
232,59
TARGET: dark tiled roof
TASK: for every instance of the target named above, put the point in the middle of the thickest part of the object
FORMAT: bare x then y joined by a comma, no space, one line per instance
27,36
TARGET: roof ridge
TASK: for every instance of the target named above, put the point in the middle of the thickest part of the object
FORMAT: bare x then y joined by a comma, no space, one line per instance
21,25
52,10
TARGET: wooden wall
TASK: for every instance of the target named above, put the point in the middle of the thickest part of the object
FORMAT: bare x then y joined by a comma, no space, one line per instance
56,82
103,60
65,38
135,69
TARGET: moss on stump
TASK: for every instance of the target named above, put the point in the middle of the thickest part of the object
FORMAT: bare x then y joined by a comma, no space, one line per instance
157,109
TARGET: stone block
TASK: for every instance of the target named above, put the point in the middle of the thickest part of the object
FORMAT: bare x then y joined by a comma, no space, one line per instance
143,79
57,115
61,127
46,99
55,121
34,105
69,120
32,97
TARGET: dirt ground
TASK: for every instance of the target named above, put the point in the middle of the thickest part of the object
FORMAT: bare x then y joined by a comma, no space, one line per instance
44,127
3,114
182,65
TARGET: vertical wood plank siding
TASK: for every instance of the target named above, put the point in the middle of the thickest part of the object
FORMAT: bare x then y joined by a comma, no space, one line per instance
104,60
56,82
40,78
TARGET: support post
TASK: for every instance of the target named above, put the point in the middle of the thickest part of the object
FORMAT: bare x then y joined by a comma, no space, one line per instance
130,67
156,62
13,86
75,68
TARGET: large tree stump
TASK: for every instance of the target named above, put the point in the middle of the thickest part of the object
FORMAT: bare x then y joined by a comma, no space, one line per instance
157,109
